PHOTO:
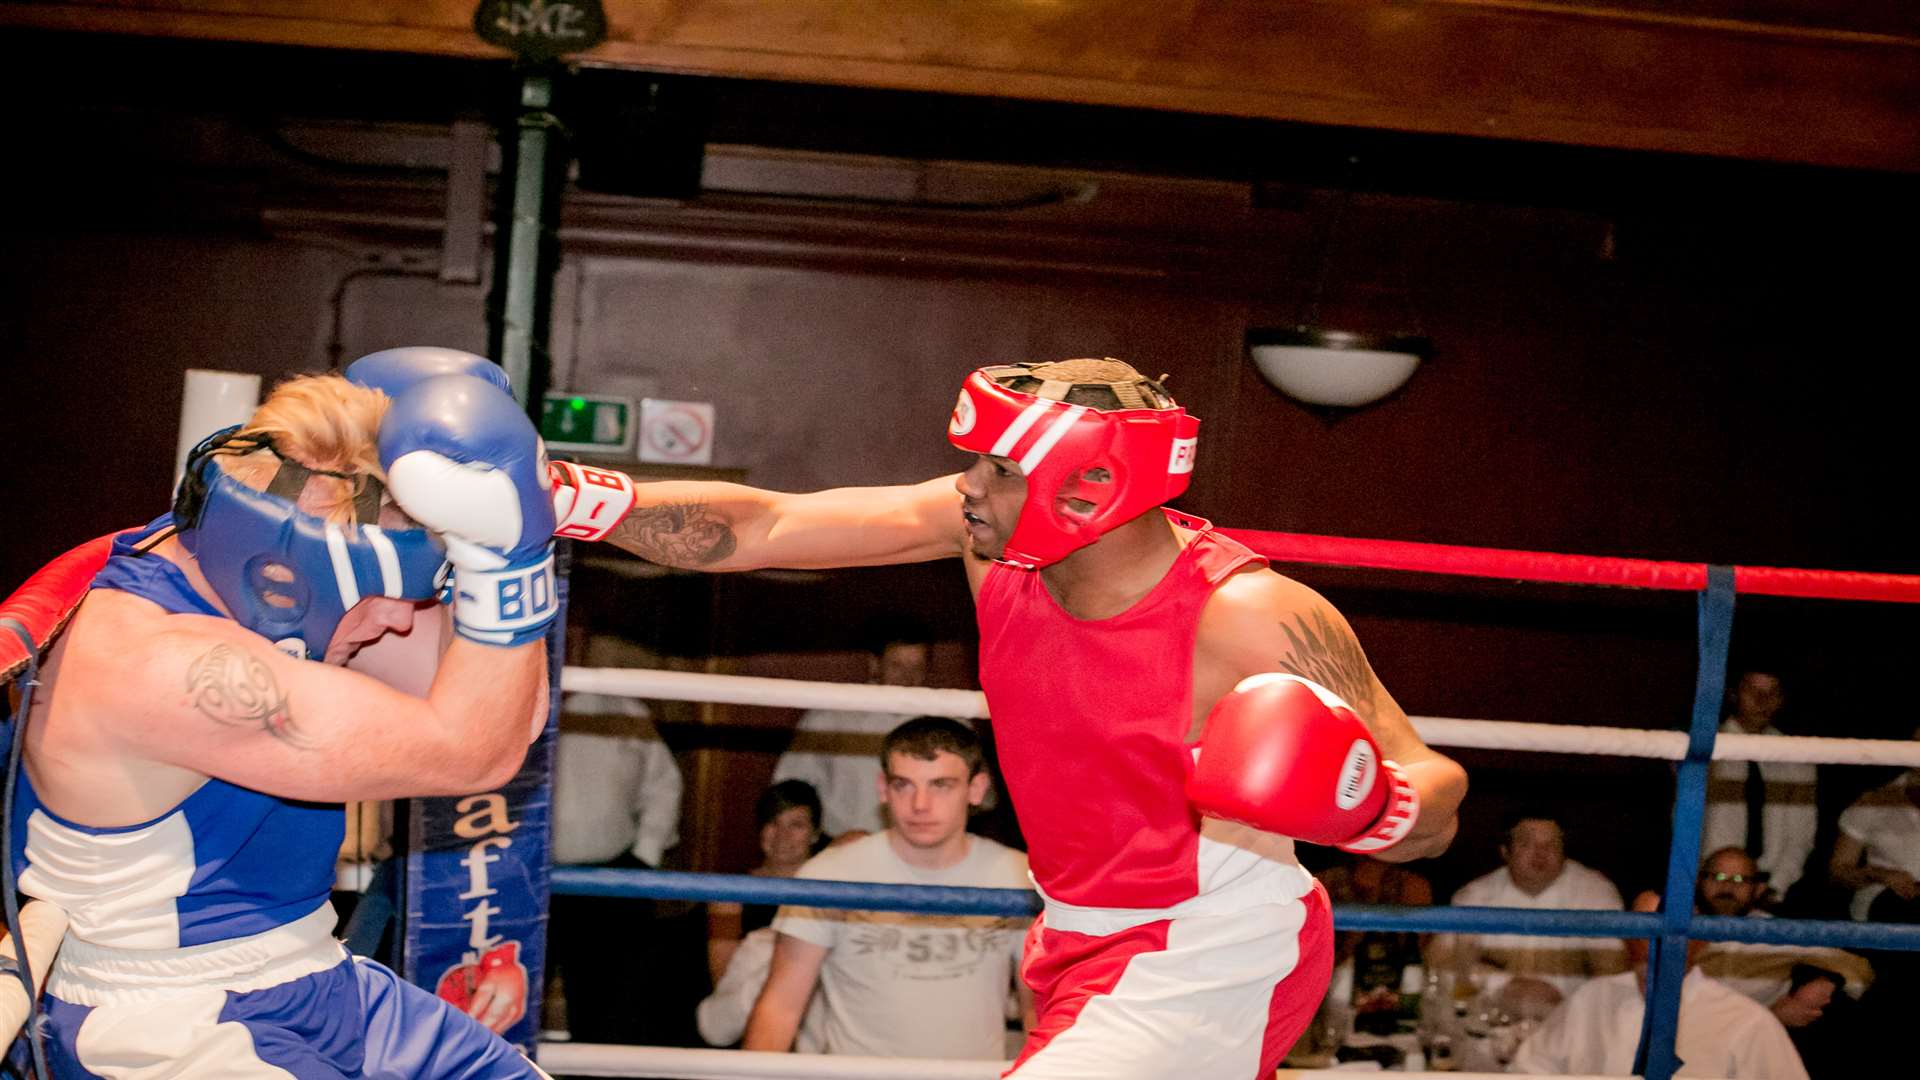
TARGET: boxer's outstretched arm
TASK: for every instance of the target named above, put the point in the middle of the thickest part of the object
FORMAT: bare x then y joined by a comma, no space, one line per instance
714,526
204,694
1267,622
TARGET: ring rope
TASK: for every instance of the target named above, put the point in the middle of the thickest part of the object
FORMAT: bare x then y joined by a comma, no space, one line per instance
599,1059
1434,730
1022,903
1540,566
604,1059
1693,749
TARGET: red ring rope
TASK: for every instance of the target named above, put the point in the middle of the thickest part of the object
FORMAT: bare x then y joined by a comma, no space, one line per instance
1574,569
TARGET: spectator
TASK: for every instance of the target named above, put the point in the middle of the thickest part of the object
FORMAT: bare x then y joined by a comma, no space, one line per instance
1535,973
788,814
834,749
1721,1033
898,985
722,1016
1731,884
616,803
616,786
1376,961
1765,808
1878,852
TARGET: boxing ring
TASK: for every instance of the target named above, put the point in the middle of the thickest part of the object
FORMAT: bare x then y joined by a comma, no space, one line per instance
1693,750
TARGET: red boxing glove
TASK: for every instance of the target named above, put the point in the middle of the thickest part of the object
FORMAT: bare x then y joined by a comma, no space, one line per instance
1286,755
588,502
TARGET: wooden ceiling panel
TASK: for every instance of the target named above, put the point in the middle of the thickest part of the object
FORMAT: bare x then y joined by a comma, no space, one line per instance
1808,81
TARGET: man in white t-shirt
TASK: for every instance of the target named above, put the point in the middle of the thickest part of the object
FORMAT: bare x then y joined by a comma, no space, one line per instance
1722,1033
836,750
1763,807
894,984
1536,972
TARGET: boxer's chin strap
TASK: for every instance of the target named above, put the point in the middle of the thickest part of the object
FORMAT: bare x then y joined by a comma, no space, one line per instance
28,679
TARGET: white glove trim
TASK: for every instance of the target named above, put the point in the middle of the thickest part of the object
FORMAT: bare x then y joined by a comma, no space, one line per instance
589,502
494,605
1397,818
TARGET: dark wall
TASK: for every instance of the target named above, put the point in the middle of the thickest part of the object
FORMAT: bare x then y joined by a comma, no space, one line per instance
1715,375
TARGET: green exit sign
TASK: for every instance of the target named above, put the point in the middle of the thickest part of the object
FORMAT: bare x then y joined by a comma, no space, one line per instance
587,423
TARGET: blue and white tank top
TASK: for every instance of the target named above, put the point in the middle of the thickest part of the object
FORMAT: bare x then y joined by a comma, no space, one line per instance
227,862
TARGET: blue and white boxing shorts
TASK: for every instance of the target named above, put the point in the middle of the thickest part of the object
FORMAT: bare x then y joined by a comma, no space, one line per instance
286,1003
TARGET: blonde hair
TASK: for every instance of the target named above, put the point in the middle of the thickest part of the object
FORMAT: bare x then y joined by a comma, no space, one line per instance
322,422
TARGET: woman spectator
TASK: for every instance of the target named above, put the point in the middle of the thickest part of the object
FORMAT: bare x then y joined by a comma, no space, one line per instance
788,814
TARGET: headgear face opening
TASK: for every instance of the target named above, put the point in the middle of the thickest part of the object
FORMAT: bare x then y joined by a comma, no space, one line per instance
283,573
1121,462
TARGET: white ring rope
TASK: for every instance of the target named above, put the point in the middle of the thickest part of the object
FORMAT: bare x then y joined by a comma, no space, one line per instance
1437,731
598,1059
779,693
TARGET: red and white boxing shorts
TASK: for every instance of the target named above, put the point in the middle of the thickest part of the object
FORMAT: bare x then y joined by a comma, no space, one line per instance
1209,995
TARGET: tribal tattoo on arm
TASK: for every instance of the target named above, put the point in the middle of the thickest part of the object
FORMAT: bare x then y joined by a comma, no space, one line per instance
685,534
1328,654
230,687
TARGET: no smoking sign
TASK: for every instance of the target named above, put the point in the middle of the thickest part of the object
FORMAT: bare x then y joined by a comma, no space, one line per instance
676,432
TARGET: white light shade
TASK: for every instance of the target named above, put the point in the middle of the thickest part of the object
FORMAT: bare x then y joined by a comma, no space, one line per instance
1334,368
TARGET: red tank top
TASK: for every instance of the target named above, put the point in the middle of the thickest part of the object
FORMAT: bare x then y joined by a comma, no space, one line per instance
1090,718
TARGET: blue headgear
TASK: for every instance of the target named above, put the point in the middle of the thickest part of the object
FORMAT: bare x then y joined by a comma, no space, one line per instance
285,574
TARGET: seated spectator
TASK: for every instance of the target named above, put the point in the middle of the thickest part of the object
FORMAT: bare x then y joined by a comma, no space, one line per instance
1596,1030
1532,974
722,1016
1731,884
1375,961
835,749
788,814
894,984
1765,808
1878,852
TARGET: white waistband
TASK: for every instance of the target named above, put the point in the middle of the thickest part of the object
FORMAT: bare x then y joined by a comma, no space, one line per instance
88,974
1272,882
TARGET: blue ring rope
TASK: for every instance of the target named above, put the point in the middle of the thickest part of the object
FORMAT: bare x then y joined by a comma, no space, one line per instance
1021,903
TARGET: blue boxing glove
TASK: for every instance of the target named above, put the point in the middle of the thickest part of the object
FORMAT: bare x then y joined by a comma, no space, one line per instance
395,371
463,460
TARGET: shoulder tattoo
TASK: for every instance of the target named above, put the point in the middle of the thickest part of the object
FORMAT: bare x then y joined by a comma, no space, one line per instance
230,687
1328,654
685,534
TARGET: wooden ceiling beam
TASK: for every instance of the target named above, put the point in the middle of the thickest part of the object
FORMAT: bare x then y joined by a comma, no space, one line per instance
1620,76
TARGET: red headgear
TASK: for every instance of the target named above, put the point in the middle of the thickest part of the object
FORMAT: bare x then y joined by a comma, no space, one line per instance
1146,454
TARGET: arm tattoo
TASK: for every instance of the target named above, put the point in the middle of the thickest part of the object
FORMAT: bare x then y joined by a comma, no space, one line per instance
688,534
233,688
1328,655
